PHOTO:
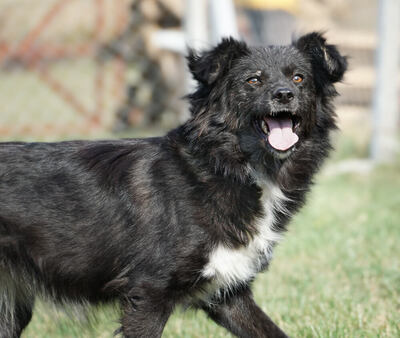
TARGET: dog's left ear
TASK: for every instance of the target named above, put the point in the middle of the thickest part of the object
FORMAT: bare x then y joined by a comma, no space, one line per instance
328,65
211,65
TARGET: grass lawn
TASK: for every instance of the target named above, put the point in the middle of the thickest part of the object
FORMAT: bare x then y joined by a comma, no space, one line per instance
336,274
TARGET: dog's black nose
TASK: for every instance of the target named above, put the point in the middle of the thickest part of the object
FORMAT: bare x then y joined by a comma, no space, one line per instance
283,95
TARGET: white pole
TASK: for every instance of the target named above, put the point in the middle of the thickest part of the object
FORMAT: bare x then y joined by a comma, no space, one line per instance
196,25
386,95
223,20
196,37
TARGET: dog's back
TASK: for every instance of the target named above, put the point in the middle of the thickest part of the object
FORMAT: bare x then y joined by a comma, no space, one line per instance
78,221
63,229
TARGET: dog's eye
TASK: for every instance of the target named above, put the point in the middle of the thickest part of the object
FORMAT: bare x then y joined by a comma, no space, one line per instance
297,78
253,80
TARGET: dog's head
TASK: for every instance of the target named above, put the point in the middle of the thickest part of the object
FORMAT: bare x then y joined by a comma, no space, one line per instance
273,99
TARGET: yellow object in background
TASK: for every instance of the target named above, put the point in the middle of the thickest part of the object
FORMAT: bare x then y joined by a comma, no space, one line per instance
287,5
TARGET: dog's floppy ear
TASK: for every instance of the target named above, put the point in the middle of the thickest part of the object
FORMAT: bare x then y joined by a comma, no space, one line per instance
328,65
210,65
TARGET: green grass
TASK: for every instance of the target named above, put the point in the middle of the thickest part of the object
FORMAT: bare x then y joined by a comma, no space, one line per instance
336,274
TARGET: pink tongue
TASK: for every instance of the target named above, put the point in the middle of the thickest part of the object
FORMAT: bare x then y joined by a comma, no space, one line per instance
281,135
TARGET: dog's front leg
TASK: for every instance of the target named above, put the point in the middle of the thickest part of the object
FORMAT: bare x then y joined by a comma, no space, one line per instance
144,317
241,316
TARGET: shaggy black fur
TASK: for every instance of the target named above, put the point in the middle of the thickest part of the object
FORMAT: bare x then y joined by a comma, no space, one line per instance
137,220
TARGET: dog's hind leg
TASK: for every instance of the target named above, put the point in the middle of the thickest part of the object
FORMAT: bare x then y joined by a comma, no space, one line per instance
16,306
145,317
241,316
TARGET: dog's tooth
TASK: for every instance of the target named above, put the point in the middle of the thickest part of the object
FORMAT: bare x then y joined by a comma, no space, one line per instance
264,127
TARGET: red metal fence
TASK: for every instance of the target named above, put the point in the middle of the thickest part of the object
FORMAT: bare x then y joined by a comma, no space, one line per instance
52,80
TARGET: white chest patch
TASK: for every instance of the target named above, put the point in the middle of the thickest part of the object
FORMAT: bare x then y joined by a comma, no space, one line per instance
229,267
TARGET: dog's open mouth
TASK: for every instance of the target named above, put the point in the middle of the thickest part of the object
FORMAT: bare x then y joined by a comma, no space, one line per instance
279,130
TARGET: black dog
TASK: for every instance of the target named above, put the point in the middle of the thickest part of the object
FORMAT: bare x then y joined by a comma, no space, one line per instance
189,218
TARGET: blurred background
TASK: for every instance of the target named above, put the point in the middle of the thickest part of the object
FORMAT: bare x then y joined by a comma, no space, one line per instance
108,68
91,68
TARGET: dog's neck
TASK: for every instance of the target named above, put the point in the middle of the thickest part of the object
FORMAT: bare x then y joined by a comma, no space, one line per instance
214,150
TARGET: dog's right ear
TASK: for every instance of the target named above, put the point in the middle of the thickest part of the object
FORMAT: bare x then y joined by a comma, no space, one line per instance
211,65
